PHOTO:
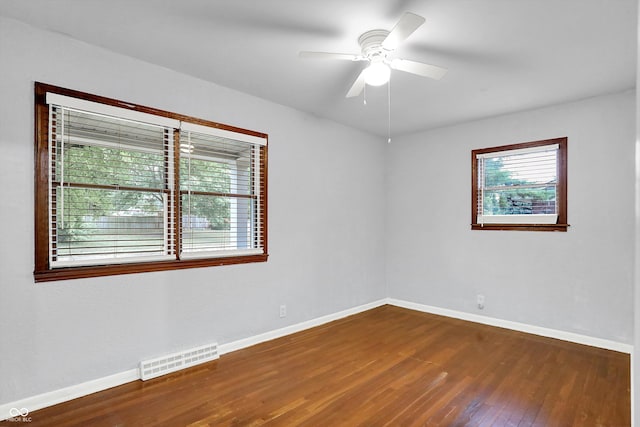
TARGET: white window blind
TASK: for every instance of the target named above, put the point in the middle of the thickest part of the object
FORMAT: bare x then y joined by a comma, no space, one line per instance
110,189
518,186
220,193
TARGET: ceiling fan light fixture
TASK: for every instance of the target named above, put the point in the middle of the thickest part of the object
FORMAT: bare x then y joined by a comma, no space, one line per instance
375,48
377,74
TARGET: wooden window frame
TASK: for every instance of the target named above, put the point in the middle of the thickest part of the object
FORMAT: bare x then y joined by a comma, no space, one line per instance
43,271
561,195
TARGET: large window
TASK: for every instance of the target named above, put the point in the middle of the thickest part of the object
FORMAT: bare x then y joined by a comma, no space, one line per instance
520,187
122,188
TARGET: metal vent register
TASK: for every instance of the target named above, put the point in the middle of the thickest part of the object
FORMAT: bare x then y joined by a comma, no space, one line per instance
174,362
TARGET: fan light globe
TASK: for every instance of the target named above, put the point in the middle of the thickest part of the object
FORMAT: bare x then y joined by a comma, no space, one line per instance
377,74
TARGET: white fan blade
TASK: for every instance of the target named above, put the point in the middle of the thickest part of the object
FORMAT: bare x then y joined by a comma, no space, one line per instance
357,86
419,68
329,55
403,29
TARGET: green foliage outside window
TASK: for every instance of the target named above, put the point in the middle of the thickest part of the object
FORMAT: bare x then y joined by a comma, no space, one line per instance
82,210
506,194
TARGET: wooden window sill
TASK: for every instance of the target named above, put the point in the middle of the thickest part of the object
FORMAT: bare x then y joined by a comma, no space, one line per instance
521,227
68,273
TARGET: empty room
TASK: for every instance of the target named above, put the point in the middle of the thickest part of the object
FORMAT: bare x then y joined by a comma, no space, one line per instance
319,213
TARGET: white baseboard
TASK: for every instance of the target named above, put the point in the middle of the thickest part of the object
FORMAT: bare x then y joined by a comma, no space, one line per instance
516,326
73,392
68,393
288,330
51,398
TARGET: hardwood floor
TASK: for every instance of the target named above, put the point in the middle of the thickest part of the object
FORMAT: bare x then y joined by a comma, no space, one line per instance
384,367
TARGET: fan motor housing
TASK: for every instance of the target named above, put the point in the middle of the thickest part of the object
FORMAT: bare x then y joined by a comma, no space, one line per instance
371,43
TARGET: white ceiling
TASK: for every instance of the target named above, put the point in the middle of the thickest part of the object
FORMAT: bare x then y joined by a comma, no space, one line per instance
502,55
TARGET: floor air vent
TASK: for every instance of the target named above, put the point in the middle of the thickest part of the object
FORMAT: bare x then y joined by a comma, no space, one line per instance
174,362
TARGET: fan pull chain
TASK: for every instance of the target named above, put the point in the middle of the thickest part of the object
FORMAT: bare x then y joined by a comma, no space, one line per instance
389,111
364,97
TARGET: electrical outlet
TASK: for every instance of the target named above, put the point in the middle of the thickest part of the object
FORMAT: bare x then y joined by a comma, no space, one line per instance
283,310
480,301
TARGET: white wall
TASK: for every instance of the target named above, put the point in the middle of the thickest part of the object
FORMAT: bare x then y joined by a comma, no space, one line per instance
326,228
580,281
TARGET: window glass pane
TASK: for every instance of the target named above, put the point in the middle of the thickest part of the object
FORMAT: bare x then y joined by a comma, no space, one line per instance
87,164
96,213
102,224
520,184
215,164
213,223
204,175
219,206
520,201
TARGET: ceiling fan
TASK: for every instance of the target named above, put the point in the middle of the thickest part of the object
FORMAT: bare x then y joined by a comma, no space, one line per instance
376,47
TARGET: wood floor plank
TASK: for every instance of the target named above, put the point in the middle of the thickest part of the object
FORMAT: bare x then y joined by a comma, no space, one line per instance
385,367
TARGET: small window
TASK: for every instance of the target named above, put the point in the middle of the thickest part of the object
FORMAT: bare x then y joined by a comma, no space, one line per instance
122,188
520,187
